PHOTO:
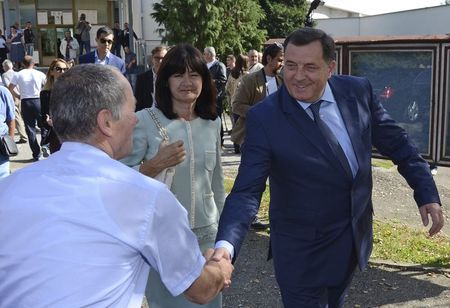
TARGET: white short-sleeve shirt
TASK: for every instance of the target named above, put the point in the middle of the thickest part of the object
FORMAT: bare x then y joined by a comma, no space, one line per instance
80,229
30,82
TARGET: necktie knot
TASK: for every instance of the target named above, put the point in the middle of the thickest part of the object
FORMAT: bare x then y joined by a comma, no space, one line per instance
315,107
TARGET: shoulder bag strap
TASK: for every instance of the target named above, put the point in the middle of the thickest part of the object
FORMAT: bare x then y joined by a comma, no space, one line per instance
162,130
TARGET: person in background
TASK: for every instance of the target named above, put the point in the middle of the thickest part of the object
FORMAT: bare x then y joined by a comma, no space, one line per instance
102,55
30,83
218,73
82,29
3,51
254,64
79,245
313,139
239,70
145,82
6,78
29,38
131,66
51,143
126,35
7,127
118,40
231,62
17,51
186,111
69,47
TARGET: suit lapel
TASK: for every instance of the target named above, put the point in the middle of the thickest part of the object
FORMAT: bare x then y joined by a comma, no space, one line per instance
298,117
348,107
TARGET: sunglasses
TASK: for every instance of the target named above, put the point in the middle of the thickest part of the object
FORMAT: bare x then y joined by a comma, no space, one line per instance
103,41
60,69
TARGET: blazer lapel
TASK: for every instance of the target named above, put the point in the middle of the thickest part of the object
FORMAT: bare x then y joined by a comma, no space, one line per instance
348,105
298,117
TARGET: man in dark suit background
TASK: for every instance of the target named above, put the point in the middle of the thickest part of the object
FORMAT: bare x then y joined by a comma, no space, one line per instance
102,54
218,73
313,138
145,82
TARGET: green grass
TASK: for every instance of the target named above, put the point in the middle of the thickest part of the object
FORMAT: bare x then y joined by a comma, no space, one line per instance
397,242
393,241
382,163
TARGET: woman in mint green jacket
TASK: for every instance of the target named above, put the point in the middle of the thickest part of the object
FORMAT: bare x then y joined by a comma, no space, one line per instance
185,114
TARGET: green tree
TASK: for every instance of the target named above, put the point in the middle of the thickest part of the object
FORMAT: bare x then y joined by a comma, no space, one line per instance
283,16
231,26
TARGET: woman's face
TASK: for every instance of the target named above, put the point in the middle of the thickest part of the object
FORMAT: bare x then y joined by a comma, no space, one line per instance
13,30
59,69
186,87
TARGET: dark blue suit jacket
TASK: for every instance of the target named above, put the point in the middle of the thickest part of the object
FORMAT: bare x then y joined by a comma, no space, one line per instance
318,215
113,60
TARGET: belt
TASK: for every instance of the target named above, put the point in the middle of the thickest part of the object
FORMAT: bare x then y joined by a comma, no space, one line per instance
29,98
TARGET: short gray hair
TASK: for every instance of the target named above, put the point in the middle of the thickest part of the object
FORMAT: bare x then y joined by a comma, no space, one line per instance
8,64
211,50
79,95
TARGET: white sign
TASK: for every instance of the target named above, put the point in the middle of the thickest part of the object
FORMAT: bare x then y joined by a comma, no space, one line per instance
42,18
67,18
58,16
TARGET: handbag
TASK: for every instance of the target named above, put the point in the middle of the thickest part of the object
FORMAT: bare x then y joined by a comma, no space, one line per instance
8,146
165,176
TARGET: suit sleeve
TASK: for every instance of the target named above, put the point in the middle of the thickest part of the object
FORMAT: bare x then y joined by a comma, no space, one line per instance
392,141
242,205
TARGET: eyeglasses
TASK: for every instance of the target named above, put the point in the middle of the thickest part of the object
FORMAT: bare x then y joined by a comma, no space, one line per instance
103,41
60,69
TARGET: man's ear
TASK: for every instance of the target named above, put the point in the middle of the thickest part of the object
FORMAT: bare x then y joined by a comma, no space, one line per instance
104,122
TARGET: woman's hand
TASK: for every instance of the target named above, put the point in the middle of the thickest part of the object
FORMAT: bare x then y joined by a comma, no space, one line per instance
49,121
169,155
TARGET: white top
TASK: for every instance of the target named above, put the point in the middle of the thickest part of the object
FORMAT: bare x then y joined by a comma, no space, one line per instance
256,67
30,82
80,229
271,85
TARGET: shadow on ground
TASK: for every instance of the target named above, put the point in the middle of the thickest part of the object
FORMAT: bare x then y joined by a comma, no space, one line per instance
254,283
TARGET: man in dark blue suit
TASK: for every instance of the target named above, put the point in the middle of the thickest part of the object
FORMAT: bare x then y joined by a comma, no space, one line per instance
313,139
102,54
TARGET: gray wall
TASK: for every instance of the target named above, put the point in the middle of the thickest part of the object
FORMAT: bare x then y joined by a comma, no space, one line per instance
435,20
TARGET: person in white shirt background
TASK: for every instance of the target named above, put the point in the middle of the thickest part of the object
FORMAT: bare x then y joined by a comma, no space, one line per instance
30,82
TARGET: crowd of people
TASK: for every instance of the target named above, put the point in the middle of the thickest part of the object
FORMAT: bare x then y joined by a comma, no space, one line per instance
131,201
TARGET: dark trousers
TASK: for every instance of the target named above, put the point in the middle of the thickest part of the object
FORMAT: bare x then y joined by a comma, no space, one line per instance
116,49
320,297
31,114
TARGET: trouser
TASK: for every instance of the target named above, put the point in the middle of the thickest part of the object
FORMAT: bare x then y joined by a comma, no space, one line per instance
31,113
4,166
319,297
29,49
86,45
20,126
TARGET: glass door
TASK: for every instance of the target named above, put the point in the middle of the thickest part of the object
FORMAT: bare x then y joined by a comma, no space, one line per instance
51,38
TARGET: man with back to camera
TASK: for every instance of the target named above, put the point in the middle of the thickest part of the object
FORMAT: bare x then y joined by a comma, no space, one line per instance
30,82
94,227
313,139
102,55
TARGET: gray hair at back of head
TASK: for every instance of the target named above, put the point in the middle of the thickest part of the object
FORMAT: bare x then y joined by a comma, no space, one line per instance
79,95
211,50
8,64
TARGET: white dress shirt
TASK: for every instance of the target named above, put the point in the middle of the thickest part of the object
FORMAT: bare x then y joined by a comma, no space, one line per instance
80,229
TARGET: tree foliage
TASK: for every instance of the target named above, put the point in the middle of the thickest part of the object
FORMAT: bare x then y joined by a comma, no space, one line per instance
231,26
283,16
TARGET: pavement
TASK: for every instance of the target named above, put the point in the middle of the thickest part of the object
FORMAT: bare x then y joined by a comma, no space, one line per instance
383,284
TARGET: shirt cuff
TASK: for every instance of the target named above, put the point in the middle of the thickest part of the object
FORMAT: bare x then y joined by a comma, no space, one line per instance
227,245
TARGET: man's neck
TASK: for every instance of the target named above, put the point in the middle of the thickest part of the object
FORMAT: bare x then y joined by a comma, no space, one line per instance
268,71
101,55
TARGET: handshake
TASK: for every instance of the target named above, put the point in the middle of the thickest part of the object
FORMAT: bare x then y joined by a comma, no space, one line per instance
215,276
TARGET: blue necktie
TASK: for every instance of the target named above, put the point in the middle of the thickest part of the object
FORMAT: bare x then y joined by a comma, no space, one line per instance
331,139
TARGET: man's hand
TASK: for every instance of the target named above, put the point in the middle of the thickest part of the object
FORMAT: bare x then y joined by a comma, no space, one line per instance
169,155
223,263
437,217
221,253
